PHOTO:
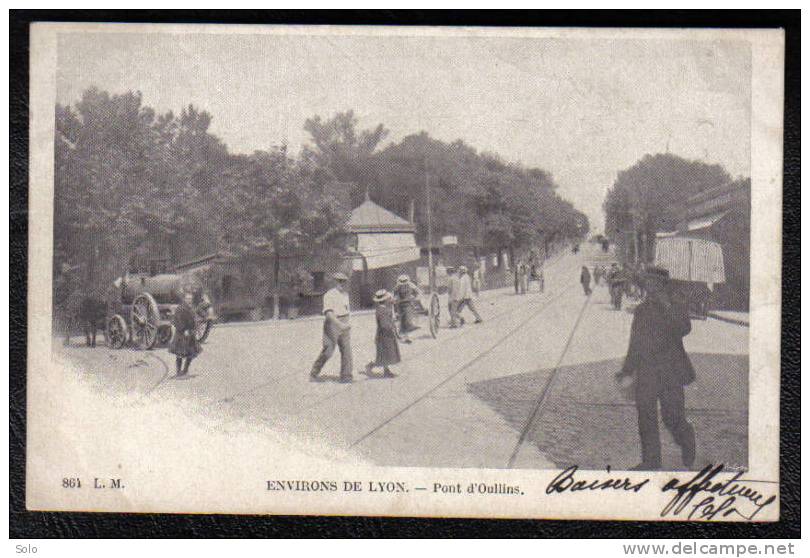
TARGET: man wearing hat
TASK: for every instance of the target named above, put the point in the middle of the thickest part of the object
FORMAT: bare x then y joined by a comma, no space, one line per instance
466,296
660,367
336,329
405,293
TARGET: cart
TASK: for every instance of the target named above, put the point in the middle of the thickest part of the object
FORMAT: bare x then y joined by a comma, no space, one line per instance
142,305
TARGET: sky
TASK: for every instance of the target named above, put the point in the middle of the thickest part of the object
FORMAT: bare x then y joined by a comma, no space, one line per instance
582,109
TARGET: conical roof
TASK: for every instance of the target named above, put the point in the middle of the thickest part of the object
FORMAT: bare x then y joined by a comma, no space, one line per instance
370,217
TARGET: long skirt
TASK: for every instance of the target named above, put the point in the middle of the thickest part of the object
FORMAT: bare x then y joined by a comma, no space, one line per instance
387,348
185,346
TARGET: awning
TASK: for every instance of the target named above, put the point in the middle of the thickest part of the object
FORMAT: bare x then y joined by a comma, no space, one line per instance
704,222
385,250
691,259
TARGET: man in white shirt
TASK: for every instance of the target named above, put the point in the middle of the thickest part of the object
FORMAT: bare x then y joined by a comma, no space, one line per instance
466,296
453,295
336,330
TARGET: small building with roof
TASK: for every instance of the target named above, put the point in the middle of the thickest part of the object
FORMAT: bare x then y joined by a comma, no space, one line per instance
382,246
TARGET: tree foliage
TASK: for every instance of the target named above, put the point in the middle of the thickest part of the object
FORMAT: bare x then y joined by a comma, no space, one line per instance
642,195
475,196
130,179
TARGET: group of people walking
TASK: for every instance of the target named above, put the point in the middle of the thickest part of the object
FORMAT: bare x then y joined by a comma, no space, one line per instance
617,278
392,327
527,271
460,296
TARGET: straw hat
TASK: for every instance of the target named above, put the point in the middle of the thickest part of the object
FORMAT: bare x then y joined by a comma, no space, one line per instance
340,276
403,279
382,296
462,269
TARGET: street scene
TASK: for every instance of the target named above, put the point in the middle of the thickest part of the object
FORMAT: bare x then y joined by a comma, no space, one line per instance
485,273
462,400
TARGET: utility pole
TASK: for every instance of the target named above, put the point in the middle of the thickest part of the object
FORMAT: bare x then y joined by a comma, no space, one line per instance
430,230
634,213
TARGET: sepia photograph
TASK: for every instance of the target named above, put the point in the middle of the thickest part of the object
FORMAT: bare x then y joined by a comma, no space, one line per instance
457,272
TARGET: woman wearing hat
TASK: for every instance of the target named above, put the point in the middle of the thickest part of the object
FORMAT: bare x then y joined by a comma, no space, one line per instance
184,344
386,338
405,293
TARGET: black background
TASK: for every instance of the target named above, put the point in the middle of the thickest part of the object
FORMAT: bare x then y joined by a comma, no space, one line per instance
25,524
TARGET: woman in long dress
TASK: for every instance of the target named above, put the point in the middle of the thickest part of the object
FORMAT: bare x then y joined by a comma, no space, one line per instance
184,344
386,340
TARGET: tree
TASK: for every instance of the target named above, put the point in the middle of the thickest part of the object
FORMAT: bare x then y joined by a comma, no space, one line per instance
478,197
343,151
643,196
102,179
269,200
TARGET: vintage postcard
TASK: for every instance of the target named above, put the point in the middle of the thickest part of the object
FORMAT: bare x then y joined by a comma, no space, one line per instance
405,271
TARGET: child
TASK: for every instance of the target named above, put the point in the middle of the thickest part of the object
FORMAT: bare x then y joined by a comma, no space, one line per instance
184,341
386,338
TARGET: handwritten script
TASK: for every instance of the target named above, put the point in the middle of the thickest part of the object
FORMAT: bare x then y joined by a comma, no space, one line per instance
566,481
704,497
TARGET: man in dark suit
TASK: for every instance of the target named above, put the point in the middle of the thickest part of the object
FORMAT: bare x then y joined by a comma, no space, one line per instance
661,368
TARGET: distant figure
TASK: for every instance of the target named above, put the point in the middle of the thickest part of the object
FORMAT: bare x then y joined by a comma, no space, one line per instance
597,274
575,249
617,283
605,245
537,275
92,310
524,277
466,296
476,281
386,338
184,344
660,367
453,296
405,294
585,279
517,277
336,330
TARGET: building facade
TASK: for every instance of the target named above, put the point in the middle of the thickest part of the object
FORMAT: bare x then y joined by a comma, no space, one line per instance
723,215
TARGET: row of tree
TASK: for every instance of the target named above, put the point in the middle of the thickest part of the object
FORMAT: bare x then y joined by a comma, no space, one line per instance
646,197
127,177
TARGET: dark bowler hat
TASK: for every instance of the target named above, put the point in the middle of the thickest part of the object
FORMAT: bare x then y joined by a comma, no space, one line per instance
653,272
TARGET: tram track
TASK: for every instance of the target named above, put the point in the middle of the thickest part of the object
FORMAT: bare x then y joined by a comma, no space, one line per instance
432,349
538,405
502,339
552,262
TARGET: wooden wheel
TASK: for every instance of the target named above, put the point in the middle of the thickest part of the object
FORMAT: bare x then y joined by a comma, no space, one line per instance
145,318
115,332
434,314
